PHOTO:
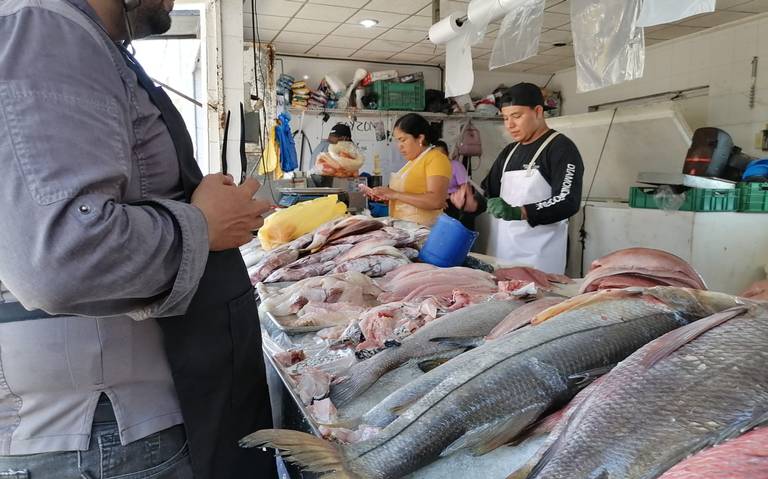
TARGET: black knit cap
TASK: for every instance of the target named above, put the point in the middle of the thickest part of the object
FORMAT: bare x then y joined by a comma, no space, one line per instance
341,130
523,94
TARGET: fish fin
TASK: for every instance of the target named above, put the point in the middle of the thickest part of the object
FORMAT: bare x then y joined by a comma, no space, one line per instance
430,364
309,452
674,340
401,408
351,423
583,300
467,342
525,470
584,378
431,361
552,445
491,436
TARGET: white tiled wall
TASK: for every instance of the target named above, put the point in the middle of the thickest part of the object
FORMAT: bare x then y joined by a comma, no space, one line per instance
720,57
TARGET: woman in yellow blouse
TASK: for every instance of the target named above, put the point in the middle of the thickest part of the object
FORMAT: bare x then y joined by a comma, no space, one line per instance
419,190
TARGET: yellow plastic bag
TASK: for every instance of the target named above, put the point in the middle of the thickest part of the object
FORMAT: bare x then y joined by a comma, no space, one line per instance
288,224
270,161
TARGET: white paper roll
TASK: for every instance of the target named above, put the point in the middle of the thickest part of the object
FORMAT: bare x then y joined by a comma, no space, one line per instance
483,12
445,30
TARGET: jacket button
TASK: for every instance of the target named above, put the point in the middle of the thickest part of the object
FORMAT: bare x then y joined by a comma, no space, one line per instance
85,209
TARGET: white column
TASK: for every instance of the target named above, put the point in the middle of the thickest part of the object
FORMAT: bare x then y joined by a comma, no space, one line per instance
225,79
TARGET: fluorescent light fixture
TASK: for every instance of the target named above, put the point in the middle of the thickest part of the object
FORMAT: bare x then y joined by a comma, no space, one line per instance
306,77
368,23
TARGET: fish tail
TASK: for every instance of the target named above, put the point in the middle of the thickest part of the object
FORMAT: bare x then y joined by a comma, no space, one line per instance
311,453
344,391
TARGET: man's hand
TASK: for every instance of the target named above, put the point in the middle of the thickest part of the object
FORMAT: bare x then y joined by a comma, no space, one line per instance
229,210
500,209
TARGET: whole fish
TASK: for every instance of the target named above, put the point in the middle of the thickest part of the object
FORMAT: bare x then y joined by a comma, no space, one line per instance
503,386
692,388
385,411
474,320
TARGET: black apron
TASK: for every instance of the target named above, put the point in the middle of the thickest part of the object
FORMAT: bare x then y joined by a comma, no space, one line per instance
214,350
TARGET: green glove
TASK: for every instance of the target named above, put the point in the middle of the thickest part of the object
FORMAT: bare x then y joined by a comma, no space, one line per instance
500,209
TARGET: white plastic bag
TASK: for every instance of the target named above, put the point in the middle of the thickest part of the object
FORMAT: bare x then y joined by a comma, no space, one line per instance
343,159
657,12
518,37
608,45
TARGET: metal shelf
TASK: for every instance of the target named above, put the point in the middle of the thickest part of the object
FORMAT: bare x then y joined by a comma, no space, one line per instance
380,113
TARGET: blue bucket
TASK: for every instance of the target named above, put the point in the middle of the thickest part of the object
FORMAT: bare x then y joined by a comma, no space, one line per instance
448,243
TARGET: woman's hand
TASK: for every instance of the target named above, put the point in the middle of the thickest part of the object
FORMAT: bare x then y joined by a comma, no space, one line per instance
384,193
464,198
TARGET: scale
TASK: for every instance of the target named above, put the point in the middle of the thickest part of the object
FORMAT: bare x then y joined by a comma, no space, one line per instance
292,196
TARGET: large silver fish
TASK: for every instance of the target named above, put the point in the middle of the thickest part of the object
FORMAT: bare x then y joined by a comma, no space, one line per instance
476,320
692,388
385,411
505,386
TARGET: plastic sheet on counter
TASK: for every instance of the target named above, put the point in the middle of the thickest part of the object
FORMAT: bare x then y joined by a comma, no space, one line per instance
657,12
608,45
318,353
518,37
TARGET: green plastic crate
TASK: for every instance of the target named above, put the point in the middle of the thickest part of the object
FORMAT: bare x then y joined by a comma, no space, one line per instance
399,96
753,197
696,199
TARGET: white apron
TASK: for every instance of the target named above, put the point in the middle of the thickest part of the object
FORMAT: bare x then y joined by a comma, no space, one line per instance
517,243
404,211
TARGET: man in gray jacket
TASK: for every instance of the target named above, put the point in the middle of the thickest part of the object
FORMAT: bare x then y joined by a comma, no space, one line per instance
128,332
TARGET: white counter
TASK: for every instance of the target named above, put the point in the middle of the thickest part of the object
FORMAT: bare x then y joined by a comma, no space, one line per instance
730,250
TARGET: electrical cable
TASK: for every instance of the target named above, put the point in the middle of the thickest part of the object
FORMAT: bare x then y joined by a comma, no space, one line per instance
582,230
258,69
550,79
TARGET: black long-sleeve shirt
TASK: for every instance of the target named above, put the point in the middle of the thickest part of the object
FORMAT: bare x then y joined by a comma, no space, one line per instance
560,164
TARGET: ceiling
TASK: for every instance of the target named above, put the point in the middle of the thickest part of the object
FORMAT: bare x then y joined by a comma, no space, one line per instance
331,29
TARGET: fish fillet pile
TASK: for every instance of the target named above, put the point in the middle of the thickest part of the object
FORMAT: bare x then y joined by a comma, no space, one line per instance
421,281
355,243
643,267
349,289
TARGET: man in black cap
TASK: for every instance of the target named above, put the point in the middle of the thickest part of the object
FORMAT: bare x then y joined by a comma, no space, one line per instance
533,187
339,132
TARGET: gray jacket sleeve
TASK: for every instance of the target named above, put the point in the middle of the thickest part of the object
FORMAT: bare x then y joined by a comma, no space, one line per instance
70,242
